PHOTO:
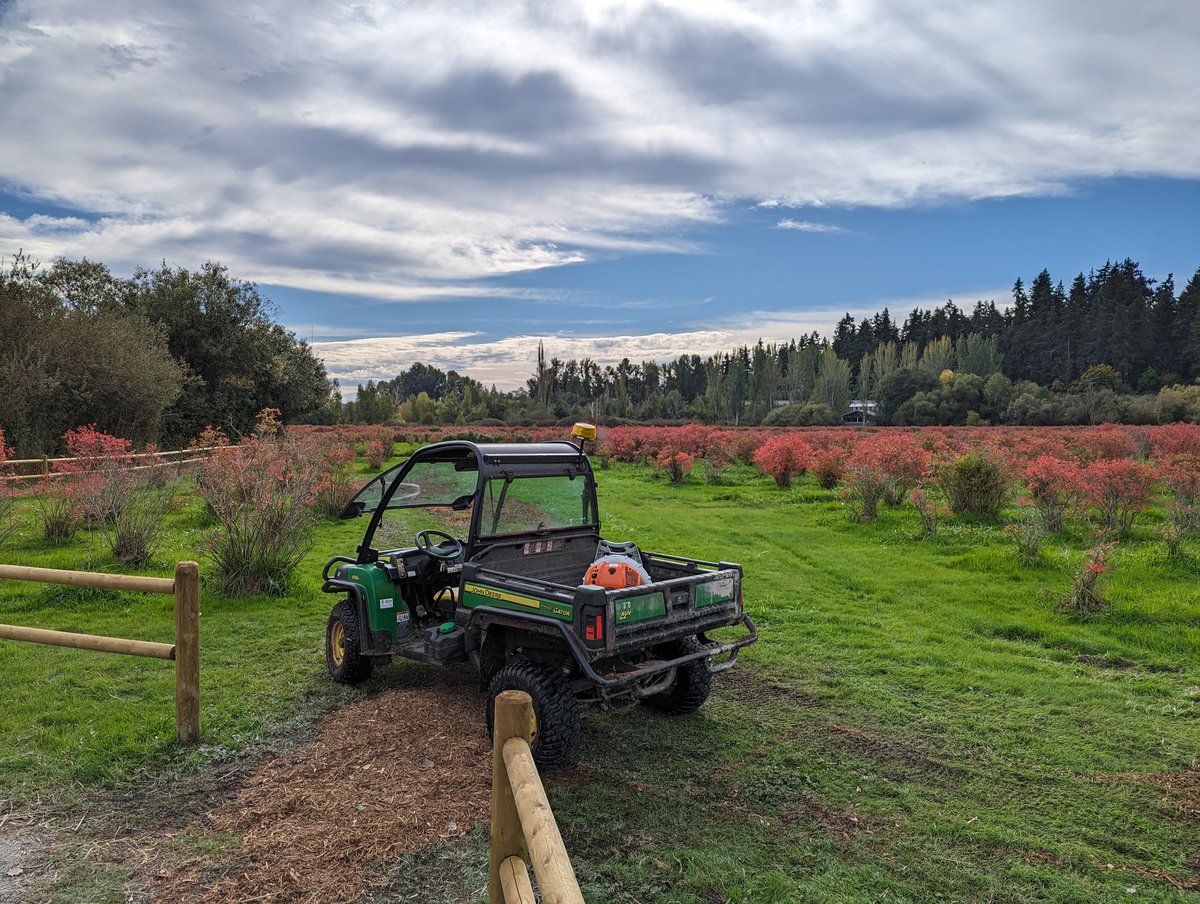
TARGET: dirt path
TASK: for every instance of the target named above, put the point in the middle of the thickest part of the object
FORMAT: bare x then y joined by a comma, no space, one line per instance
386,775
17,856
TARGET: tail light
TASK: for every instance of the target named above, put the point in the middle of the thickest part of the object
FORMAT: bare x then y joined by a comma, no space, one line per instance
592,621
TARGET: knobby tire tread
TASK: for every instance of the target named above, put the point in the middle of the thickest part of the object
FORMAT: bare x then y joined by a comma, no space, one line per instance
557,710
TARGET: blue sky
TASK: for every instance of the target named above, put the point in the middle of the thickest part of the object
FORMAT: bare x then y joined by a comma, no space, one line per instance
451,182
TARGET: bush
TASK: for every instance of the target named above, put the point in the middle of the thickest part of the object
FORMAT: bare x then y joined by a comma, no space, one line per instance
1118,489
133,534
1181,473
1086,596
260,494
335,480
1054,486
716,463
1184,520
58,512
677,465
976,485
99,479
376,454
883,466
928,509
1028,534
783,457
829,467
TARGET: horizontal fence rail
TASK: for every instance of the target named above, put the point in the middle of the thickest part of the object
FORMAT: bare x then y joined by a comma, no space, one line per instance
158,460
185,651
523,825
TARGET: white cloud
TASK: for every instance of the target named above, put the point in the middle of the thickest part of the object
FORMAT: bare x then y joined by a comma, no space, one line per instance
806,226
380,148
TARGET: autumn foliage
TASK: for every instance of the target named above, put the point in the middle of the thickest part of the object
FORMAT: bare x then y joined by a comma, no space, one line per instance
1054,488
783,457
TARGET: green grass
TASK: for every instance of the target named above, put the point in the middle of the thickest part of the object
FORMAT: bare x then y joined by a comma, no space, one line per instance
917,723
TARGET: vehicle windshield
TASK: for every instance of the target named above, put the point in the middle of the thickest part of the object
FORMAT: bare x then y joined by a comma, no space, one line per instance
517,505
437,483
450,483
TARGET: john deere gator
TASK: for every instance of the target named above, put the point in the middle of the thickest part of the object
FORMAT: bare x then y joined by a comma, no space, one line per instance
513,578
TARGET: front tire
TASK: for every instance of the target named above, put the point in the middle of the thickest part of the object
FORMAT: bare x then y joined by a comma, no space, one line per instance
342,657
693,681
555,710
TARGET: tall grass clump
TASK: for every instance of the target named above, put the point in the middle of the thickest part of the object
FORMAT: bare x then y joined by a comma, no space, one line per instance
134,532
8,498
976,484
1028,534
260,494
1086,596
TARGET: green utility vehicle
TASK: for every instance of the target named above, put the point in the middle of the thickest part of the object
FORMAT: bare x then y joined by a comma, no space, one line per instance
513,577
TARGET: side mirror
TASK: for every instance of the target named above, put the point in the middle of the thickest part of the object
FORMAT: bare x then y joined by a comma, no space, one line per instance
353,509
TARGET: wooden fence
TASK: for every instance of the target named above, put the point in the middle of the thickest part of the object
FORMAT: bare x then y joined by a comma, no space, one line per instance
185,651
523,826
42,467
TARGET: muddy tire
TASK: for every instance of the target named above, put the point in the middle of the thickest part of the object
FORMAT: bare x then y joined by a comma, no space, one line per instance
342,657
692,685
555,709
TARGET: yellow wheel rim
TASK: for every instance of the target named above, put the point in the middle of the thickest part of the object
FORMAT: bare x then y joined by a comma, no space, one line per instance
337,644
532,724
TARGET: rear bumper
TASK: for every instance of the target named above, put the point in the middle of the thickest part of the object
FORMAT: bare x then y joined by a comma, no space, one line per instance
644,671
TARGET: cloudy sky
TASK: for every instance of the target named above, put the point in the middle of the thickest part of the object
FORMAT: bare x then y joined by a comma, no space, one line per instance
450,181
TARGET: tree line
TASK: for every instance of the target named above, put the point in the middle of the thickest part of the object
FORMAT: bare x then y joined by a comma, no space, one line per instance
1117,345
155,357
158,356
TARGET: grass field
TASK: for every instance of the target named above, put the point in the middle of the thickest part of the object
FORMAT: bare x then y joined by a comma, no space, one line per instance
917,723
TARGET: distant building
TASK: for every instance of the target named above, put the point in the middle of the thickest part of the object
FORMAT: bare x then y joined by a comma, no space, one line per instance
862,413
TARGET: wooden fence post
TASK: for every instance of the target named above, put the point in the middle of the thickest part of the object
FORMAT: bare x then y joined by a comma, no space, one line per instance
187,652
513,717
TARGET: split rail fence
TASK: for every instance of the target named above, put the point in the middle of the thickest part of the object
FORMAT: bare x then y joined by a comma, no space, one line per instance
185,587
523,826
42,468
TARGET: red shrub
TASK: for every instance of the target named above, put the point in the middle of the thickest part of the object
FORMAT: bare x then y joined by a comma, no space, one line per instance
828,466
783,457
1119,489
1175,439
1181,472
884,466
1106,442
1054,486
334,478
678,465
376,453
99,481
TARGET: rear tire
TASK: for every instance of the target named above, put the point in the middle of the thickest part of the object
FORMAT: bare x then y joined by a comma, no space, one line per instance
693,681
342,657
554,707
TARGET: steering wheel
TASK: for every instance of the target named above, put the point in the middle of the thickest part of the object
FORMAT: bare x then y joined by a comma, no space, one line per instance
424,540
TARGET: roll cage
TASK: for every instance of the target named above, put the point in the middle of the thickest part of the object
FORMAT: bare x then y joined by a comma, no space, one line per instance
489,462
